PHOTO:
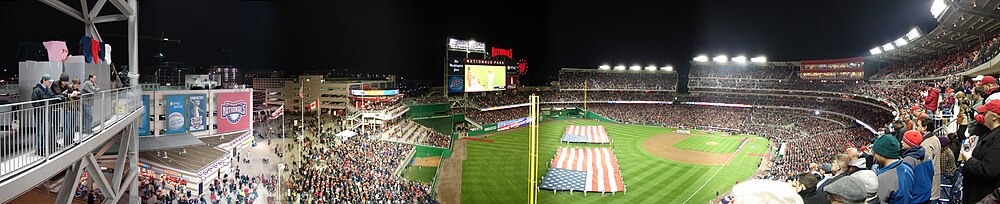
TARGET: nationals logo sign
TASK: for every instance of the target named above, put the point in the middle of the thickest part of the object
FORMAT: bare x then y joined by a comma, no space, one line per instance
233,111
233,108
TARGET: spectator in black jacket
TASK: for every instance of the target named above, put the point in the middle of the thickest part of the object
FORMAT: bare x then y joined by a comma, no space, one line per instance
41,91
982,165
807,185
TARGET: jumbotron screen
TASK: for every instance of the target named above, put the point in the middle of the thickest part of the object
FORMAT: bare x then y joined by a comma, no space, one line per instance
480,78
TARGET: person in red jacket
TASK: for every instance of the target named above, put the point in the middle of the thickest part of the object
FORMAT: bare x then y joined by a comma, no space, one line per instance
931,100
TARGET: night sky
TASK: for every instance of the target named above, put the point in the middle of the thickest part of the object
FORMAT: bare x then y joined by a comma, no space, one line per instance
408,37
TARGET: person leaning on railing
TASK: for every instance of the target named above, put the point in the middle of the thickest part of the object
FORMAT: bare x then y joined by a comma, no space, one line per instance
42,91
72,94
89,87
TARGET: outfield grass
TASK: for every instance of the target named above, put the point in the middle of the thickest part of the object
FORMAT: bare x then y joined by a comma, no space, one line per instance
421,173
495,172
726,144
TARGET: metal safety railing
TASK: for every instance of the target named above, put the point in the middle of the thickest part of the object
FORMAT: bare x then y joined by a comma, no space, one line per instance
33,132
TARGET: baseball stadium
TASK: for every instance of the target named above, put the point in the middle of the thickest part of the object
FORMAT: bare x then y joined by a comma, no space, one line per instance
395,101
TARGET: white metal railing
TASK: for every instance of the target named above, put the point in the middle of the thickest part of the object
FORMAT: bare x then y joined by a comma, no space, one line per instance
33,132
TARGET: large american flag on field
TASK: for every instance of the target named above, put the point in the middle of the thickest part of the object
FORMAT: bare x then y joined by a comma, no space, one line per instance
585,134
584,169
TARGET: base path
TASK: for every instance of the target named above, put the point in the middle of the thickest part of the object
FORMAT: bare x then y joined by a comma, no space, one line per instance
449,184
662,145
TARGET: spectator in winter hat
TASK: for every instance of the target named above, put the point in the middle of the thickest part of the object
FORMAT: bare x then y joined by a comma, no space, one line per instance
922,162
870,181
895,179
848,190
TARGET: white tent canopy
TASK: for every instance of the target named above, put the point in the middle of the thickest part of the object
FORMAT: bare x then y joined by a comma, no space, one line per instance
347,134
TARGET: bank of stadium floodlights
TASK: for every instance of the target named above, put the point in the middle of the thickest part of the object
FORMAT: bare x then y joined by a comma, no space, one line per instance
911,36
723,59
651,68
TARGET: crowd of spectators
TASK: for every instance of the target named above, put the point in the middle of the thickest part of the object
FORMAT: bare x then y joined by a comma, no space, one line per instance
637,80
406,131
744,72
494,116
355,170
944,64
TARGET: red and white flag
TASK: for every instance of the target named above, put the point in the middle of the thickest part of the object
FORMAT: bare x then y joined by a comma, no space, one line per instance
586,134
277,113
600,164
313,105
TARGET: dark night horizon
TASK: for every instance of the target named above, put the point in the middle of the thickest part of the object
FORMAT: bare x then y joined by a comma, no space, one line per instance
408,38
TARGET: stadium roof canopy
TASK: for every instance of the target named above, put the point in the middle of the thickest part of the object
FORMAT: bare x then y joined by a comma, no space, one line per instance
960,24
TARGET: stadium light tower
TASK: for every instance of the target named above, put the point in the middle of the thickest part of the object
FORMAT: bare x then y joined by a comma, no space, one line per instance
668,68
760,59
604,67
740,59
701,58
635,68
620,67
913,34
887,47
875,51
651,68
720,59
938,7
900,42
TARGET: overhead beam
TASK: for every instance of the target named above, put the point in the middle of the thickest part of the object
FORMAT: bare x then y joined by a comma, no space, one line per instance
58,5
97,8
946,41
110,18
123,7
94,172
983,14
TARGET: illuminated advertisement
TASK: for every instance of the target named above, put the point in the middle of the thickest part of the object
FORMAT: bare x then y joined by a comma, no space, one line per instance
485,78
375,92
456,84
466,45
456,65
196,111
234,111
176,122
511,82
501,52
144,127
511,124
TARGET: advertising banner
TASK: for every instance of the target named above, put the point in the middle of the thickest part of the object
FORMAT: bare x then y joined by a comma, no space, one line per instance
196,111
375,92
456,84
234,111
456,65
511,124
144,127
176,122
511,82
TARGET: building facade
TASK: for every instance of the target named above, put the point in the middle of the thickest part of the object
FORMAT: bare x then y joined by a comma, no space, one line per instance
332,93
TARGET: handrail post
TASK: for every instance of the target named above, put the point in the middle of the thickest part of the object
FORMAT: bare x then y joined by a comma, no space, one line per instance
45,130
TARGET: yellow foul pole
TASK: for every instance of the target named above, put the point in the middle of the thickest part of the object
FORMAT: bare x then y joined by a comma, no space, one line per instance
533,151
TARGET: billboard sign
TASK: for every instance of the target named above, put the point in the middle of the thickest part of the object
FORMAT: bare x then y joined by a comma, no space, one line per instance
456,84
466,45
196,111
511,124
511,82
144,127
234,111
456,65
375,92
176,121
501,52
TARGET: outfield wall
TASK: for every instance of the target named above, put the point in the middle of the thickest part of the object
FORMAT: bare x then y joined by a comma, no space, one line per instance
427,110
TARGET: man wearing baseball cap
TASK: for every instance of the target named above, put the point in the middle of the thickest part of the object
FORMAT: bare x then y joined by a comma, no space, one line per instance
41,91
982,158
895,179
990,85
922,162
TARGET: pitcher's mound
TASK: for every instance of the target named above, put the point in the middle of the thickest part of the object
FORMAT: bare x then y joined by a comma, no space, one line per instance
662,145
